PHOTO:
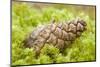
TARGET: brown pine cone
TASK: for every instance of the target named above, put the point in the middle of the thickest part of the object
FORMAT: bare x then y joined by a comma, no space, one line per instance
59,35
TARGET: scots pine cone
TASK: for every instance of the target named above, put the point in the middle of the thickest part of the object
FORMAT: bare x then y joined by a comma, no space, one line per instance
59,35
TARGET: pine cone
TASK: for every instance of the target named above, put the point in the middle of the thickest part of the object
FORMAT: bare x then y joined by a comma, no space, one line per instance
59,35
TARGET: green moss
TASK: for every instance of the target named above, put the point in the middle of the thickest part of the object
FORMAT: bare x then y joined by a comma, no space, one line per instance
26,17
